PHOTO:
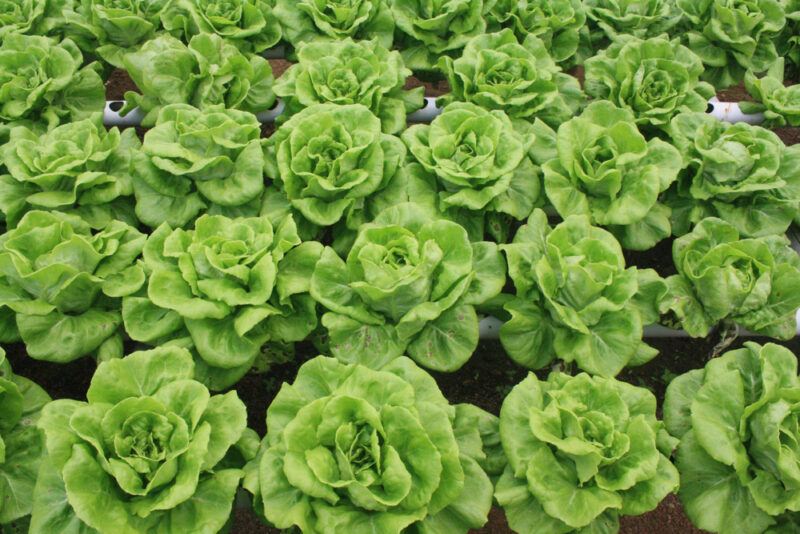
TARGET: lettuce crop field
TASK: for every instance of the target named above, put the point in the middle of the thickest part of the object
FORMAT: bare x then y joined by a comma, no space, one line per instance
399,266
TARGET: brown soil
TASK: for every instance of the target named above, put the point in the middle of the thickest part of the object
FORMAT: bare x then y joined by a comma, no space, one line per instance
279,66
735,94
117,84
789,135
432,88
668,518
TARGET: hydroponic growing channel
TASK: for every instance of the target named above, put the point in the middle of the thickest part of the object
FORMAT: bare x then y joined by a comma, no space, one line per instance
387,266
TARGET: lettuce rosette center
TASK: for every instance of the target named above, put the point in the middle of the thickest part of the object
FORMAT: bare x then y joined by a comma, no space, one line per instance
741,173
372,451
407,285
582,452
154,443
738,419
330,162
339,15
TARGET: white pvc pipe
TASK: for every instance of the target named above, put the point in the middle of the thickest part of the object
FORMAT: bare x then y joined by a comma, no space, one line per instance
489,328
427,113
731,112
111,116
725,111
271,114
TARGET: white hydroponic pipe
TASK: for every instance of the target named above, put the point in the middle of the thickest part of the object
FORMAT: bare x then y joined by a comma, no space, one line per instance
489,328
731,112
111,116
725,111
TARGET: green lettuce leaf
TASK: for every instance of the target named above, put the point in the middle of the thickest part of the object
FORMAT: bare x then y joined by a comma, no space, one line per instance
575,300
371,451
406,286
582,451
150,451
496,71
210,71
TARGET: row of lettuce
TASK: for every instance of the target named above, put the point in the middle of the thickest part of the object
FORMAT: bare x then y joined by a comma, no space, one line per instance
384,237
49,80
356,449
731,36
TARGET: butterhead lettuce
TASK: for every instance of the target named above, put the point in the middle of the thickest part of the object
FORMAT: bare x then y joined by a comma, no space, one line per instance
78,167
359,450
224,288
741,173
311,20
210,71
194,160
409,285
61,284
721,276
582,451
557,23
475,164
604,168
496,71
350,72
21,442
44,81
654,78
737,420
575,299
333,166
149,451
